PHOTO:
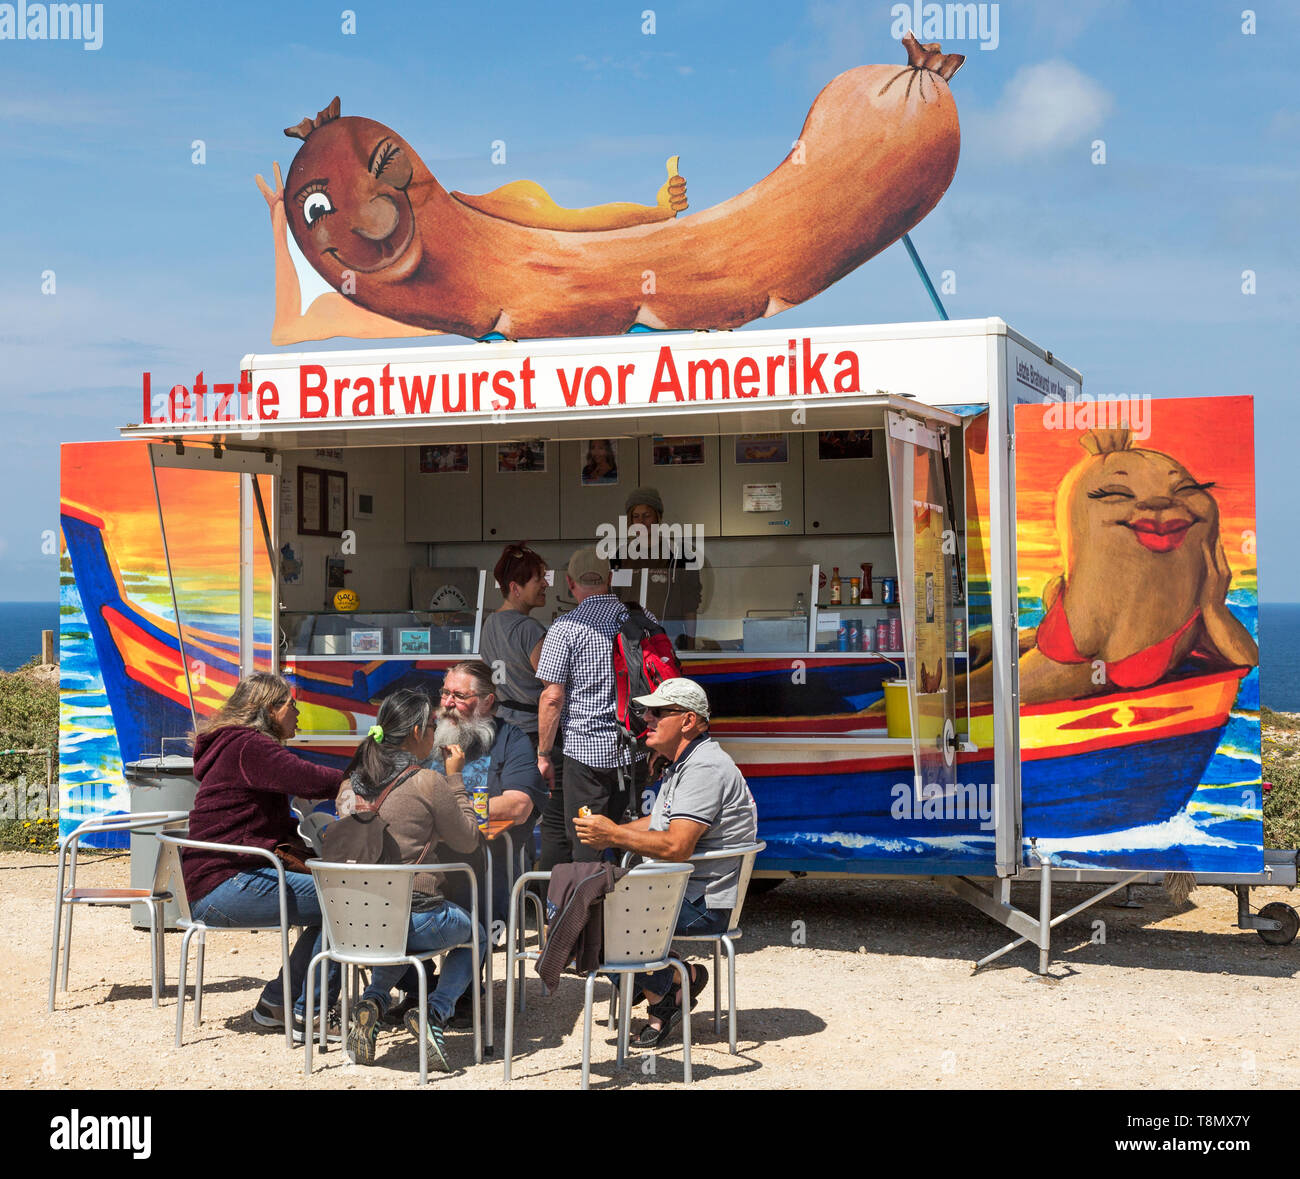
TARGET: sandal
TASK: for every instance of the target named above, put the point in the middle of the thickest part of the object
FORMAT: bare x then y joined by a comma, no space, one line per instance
652,1037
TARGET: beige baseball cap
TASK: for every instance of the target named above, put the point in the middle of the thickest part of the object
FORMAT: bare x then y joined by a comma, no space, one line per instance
678,693
587,567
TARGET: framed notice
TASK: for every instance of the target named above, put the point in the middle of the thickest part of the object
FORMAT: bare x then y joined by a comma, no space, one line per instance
762,497
367,641
322,502
413,641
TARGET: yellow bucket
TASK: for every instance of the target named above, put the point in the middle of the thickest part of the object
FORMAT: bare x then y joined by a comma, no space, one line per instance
898,716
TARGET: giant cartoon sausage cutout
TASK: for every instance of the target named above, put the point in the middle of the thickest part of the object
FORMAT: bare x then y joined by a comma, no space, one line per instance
878,149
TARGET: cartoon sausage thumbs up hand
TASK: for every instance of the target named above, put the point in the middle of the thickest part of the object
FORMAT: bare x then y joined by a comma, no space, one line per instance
673,194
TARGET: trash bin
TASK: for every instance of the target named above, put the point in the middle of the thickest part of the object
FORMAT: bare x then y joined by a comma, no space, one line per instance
164,783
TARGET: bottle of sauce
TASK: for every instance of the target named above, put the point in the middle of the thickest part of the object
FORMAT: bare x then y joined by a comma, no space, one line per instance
837,589
854,591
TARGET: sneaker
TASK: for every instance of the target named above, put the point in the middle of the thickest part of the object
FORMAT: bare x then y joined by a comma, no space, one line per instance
363,1032
395,1016
333,1028
266,1015
437,1042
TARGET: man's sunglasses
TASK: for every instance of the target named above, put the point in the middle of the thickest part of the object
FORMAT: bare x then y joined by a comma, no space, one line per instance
662,712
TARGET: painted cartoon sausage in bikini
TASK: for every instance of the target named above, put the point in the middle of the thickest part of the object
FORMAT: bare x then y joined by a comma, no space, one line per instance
1145,584
878,149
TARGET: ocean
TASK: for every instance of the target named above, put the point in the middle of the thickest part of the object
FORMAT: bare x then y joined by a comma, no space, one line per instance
21,624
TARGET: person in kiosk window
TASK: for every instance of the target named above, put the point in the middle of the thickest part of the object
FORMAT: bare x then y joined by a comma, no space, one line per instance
673,591
703,805
576,665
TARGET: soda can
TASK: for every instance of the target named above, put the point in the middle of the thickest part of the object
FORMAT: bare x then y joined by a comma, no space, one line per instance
481,808
889,590
895,634
842,636
882,635
959,634
855,635
868,636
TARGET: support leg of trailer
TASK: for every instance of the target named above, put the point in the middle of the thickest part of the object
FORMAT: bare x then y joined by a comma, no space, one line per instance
1044,916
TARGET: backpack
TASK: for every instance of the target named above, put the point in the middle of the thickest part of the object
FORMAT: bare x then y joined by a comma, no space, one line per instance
364,838
643,659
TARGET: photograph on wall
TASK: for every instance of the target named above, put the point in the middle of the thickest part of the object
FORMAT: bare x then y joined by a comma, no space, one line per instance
600,465
444,460
762,448
335,573
843,444
365,641
520,457
413,641
309,501
687,450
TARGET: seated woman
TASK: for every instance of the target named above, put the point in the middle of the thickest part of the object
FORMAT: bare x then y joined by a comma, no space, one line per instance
424,810
246,779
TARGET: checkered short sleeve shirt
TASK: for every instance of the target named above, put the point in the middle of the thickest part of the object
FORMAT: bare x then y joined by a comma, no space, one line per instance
578,654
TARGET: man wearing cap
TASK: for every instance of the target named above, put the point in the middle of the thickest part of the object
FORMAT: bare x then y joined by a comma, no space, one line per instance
673,591
703,805
577,667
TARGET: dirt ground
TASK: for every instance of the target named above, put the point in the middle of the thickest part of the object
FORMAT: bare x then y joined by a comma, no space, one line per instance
840,985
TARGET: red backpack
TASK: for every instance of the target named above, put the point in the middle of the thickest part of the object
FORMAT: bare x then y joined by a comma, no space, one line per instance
643,659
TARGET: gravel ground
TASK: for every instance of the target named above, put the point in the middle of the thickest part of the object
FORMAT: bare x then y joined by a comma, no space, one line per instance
841,985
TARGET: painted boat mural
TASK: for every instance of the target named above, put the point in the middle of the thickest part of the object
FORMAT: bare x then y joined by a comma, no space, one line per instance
1161,776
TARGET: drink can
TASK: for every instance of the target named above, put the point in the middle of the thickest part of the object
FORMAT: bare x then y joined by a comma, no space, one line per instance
895,634
868,636
889,590
481,808
855,635
882,635
959,634
842,636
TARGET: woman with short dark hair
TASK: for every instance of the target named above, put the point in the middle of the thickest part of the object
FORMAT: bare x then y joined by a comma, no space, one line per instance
246,779
423,809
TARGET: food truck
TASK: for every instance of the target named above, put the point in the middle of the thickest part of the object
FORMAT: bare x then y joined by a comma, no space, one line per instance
336,515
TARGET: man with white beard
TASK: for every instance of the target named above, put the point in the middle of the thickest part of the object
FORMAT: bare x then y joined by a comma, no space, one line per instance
499,758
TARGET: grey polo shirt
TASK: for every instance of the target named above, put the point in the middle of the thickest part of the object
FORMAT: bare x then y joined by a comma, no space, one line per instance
705,785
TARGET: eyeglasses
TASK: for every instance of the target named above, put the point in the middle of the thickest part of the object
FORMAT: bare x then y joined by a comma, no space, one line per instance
460,697
657,713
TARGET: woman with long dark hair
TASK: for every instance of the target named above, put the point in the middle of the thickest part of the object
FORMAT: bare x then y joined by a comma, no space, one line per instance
246,779
423,810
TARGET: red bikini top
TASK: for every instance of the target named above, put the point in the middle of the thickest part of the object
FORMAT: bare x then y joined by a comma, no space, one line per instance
1139,670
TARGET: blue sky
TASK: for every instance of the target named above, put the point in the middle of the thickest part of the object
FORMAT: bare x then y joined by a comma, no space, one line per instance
1130,271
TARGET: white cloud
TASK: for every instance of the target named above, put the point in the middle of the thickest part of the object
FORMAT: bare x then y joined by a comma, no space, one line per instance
1044,108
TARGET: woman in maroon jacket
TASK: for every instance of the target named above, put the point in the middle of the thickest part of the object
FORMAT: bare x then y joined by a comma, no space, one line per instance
246,779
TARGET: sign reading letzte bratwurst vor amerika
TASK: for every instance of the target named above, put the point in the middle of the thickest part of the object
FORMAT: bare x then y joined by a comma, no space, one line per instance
356,391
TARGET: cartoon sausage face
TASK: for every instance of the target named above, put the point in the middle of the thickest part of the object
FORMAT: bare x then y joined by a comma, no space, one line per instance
349,204
876,152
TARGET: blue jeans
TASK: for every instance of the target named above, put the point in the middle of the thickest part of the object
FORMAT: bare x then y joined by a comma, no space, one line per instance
445,925
695,918
253,898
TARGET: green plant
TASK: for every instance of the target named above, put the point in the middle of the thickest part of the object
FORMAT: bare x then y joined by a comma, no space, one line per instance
29,719
32,835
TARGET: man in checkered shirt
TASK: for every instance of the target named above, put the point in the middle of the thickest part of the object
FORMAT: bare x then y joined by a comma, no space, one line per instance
577,667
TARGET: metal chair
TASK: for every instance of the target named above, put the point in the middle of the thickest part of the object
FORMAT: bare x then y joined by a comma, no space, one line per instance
746,854
71,896
640,914
367,910
172,844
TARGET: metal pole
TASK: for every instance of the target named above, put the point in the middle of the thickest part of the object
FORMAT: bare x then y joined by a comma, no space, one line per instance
1044,914
925,278
171,585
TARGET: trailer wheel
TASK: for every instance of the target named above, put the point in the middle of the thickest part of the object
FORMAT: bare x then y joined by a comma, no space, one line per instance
1288,918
